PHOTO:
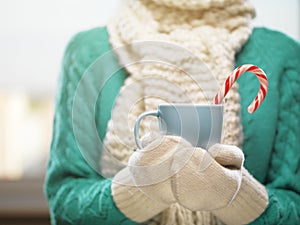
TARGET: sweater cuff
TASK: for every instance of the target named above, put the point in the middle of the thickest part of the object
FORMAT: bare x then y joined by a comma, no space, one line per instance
134,204
250,202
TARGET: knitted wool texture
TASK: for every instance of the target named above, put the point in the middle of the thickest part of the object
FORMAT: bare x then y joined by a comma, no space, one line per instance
213,31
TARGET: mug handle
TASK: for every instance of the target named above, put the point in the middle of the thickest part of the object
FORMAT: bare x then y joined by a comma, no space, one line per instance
137,126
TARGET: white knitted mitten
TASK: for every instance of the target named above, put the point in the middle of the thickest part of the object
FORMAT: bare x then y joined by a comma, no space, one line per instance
143,188
217,181
250,202
207,183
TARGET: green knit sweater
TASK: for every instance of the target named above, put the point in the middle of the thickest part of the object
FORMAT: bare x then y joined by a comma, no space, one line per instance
79,195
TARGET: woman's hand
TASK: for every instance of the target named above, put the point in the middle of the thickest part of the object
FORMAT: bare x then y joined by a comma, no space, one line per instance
216,181
210,179
143,189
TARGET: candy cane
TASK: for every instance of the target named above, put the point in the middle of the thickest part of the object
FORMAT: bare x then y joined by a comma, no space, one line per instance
235,75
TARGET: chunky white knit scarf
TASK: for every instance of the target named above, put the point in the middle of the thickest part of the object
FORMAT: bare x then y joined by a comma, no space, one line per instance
183,33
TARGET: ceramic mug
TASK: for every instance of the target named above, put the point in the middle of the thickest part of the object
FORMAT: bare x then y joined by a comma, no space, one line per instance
201,125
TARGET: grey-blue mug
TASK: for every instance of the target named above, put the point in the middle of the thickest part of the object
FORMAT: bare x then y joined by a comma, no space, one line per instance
201,125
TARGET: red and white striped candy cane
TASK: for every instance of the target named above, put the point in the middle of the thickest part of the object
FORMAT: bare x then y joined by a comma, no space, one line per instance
235,75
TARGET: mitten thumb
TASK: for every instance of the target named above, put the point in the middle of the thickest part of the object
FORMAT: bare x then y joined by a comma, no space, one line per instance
227,155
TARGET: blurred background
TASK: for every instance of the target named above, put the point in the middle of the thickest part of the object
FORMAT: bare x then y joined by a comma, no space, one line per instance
33,36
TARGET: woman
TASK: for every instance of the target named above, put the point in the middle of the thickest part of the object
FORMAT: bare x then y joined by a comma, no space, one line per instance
219,34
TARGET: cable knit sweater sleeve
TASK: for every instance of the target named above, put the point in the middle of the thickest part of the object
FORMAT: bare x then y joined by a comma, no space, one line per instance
280,172
76,193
